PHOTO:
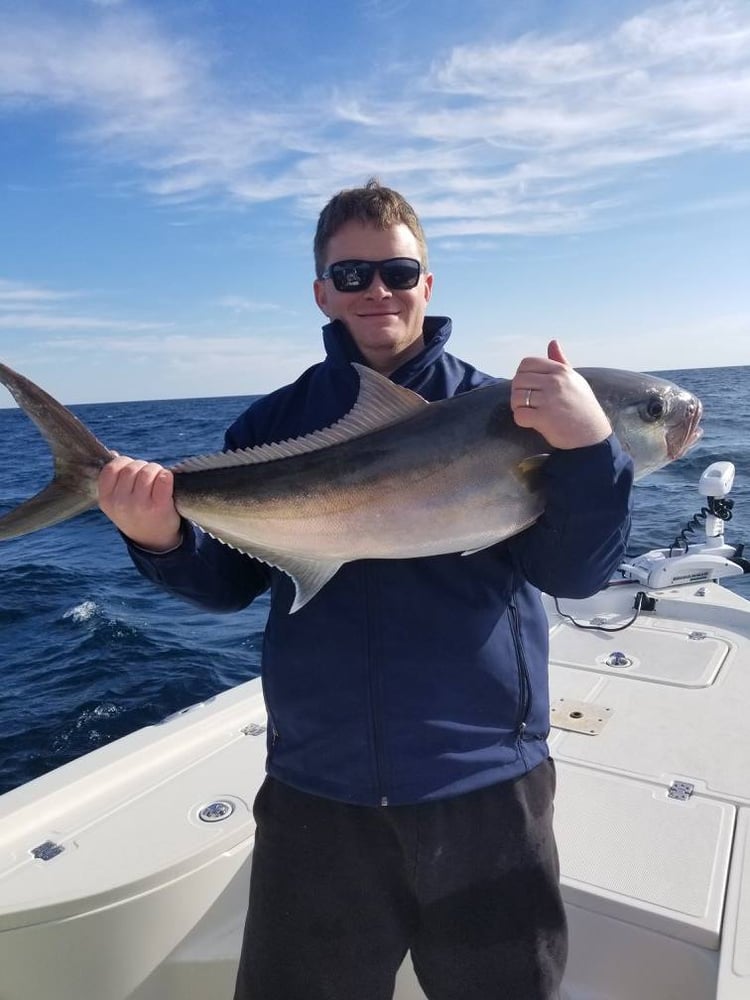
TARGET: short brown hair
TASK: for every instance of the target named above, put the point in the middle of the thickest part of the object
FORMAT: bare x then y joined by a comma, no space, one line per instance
372,205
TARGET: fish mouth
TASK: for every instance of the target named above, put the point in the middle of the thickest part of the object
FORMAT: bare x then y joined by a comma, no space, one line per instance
679,444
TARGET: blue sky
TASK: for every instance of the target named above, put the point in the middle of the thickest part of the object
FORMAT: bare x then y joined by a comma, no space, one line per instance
582,170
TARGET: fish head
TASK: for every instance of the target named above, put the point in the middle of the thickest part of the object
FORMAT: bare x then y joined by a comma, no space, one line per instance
655,420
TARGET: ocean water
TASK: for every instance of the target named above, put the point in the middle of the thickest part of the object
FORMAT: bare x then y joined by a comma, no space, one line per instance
89,651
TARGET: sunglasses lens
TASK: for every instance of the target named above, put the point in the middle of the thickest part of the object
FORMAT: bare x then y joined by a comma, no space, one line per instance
398,274
352,275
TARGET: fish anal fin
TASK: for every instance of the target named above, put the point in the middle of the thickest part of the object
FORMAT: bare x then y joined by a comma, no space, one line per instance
308,575
308,580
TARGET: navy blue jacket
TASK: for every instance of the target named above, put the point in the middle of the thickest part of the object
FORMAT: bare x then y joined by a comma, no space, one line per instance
414,679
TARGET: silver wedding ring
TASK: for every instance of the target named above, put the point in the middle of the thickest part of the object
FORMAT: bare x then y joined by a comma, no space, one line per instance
528,397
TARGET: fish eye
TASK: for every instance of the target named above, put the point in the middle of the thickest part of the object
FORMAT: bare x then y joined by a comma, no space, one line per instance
655,408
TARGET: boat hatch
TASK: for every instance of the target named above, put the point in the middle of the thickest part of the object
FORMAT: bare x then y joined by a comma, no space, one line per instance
682,656
630,851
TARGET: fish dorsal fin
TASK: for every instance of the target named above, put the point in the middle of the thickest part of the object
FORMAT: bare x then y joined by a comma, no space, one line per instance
379,403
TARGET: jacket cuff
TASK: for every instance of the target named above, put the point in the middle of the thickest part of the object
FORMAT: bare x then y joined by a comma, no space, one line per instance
186,539
591,472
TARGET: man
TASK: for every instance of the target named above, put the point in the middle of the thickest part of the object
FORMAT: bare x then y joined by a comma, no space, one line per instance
408,803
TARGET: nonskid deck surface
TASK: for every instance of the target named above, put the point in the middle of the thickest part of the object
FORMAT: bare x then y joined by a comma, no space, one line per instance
652,744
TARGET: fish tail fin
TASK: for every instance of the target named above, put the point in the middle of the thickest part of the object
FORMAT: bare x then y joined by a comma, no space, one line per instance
77,454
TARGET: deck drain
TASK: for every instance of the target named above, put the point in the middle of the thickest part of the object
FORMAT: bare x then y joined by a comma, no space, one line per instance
215,812
618,659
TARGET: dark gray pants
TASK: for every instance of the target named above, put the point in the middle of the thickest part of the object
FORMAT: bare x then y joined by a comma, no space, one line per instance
470,885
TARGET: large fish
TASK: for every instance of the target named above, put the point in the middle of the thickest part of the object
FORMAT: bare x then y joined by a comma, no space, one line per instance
396,477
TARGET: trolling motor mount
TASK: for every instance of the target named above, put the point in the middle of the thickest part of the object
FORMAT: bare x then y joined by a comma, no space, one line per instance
699,562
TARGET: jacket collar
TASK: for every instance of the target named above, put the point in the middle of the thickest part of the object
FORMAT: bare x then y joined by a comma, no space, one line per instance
341,349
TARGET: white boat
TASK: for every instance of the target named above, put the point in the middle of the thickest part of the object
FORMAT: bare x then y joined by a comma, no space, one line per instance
124,874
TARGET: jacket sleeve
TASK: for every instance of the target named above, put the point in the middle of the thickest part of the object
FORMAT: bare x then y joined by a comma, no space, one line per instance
204,572
581,537
201,569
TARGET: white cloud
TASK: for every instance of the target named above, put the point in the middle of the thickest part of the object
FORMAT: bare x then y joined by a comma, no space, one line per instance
241,304
31,307
16,295
112,63
385,9
197,347
665,345
535,134
50,321
199,364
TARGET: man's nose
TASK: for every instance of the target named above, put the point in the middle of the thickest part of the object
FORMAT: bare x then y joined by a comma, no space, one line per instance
378,288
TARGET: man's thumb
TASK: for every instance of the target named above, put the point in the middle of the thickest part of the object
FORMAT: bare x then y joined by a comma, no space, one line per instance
555,353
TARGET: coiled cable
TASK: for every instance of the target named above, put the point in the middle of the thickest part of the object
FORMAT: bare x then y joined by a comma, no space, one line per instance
720,507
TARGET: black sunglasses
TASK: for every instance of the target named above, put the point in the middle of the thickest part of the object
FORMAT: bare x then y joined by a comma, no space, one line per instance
398,273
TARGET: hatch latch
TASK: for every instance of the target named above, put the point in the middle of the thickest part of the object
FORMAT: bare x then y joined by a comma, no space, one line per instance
680,790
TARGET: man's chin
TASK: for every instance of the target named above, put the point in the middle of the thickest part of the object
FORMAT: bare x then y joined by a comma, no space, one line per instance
387,353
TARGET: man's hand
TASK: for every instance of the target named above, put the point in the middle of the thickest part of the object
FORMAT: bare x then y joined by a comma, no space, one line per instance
550,397
137,497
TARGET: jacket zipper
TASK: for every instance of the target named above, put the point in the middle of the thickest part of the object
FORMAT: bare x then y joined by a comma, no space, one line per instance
274,731
524,684
372,677
271,722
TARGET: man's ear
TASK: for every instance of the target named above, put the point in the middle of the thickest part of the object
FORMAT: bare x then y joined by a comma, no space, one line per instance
319,293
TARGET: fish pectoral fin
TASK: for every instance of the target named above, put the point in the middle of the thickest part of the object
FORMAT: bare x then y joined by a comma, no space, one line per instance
529,471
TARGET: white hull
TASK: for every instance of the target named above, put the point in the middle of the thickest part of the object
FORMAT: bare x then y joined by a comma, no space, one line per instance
146,900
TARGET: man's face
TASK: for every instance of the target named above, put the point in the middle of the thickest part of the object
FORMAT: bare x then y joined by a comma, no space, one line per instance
386,325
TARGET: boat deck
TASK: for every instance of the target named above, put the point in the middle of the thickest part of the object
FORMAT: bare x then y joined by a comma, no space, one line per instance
652,818
650,733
